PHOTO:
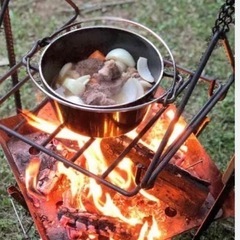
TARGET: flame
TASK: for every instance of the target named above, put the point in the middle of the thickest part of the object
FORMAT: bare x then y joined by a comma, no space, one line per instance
170,114
162,125
122,176
31,173
50,127
154,232
83,190
143,231
149,196
151,234
178,128
31,177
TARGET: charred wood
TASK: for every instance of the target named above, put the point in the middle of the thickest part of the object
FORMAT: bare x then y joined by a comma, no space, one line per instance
82,224
175,186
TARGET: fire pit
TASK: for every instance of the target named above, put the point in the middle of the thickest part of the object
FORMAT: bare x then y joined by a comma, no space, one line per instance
67,204
152,183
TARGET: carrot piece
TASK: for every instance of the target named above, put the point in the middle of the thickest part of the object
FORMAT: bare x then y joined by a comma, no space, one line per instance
98,55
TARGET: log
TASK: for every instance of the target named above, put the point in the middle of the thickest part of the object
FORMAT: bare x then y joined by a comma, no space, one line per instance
175,186
80,225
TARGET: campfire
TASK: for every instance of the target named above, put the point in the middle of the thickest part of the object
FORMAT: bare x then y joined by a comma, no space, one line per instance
83,199
151,183
81,202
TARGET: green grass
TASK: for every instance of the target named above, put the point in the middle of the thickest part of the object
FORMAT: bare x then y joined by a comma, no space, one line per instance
185,26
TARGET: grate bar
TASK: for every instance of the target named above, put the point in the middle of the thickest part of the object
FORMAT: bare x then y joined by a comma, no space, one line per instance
134,141
149,177
82,149
189,130
13,90
69,163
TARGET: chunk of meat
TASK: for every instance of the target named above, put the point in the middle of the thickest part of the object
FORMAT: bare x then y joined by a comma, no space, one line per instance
106,80
109,71
88,66
99,92
95,97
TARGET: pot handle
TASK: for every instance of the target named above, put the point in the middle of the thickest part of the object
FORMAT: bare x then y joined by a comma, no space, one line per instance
177,80
33,69
171,94
166,98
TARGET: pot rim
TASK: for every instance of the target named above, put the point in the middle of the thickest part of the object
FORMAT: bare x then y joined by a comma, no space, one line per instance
50,91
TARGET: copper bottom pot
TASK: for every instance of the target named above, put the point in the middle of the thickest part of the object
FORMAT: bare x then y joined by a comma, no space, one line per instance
99,123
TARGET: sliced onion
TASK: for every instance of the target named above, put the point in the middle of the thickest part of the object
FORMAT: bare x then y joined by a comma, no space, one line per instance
121,55
73,74
146,85
121,66
139,87
143,70
74,99
128,93
65,69
76,86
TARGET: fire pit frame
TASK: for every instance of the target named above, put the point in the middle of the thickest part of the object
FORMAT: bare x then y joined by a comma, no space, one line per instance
217,91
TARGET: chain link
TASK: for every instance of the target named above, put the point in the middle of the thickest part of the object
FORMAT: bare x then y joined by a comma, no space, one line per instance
225,17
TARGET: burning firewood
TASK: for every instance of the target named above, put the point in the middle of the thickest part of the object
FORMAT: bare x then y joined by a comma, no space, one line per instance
177,187
83,225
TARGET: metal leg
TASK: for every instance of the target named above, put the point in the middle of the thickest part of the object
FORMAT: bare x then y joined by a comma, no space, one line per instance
228,180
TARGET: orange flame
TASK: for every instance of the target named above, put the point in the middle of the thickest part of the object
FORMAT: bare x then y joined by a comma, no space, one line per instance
49,127
31,173
150,232
84,189
178,129
154,232
162,125
31,176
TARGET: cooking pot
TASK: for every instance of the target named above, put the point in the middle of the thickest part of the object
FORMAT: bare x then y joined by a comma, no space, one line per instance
99,122
78,44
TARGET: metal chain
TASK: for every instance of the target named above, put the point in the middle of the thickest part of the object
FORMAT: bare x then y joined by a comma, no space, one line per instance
225,17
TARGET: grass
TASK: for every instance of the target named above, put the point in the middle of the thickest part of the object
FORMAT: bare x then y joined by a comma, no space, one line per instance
184,25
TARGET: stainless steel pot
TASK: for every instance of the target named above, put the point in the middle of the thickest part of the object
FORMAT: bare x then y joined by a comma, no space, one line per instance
78,44
99,121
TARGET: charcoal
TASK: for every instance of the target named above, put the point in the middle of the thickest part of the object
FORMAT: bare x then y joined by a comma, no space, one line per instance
58,233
